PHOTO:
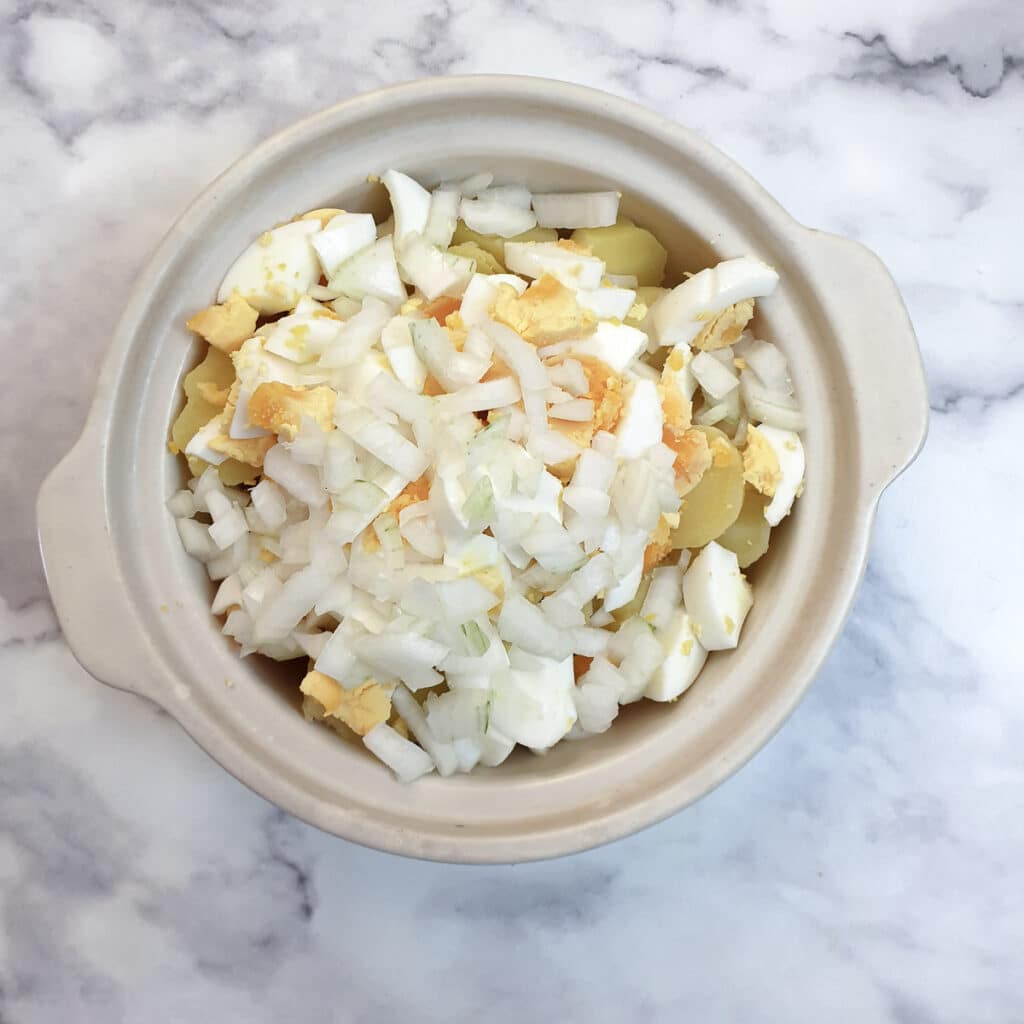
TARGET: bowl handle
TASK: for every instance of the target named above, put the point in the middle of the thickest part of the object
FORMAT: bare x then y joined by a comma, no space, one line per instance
83,574
882,356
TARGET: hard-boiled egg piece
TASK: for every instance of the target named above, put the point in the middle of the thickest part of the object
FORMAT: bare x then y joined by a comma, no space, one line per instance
199,446
607,303
481,292
684,658
569,263
533,705
304,334
684,312
344,236
789,451
278,268
616,345
677,372
640,424
717,597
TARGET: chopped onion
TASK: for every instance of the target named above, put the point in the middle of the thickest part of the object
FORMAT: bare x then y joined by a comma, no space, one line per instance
410,203
494,217
443,217
432,271
372,271
716,380
404,758
576,209
344,236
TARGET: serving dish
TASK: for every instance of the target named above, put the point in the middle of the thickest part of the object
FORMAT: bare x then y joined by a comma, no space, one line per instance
135,608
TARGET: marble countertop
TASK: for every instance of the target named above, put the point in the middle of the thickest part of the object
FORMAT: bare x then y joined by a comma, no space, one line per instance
867,866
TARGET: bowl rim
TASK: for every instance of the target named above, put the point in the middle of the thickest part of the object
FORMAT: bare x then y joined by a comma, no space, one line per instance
575,836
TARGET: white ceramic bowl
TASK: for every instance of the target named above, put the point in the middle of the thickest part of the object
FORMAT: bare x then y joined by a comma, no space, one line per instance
135,608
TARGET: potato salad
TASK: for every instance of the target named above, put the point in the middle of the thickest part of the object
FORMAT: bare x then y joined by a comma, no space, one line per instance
479,468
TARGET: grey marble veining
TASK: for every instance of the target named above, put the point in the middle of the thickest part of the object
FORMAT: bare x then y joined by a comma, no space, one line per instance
867,866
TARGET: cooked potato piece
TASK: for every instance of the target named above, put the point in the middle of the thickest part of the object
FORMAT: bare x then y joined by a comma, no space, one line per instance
495,244
626,249
714,504
217,372
748,536
486,263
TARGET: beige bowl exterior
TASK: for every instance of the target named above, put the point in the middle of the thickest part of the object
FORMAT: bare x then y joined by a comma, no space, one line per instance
135,608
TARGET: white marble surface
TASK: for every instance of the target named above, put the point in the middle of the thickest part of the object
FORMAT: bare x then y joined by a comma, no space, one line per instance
867,866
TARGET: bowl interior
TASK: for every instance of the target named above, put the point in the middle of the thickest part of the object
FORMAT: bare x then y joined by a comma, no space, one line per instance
656,757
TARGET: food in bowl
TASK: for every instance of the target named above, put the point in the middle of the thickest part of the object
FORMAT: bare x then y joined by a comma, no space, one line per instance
480,467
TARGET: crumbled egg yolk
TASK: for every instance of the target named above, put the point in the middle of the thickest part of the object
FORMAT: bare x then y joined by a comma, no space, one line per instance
660,546
725,328
604,389
360,709
547,312
412,494
227,325
280,407
760,463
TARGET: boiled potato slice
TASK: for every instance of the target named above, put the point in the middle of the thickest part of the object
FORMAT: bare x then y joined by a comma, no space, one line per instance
626,249
714,504
748,536
485,261
495,244
217,369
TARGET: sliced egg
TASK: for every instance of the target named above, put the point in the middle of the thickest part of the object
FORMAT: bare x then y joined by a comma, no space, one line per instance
640,424
573,268
278,268
684,312
717,597
789,450
607,303
684,658
616,345
533,704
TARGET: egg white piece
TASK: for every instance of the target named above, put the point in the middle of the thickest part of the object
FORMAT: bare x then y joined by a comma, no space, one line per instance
789,450
717,597
617,345
684,658
641,422
275,270
607,303
533,705
480,293
682,314
534,259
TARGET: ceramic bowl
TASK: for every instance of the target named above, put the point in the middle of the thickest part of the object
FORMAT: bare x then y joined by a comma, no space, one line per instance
135,608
